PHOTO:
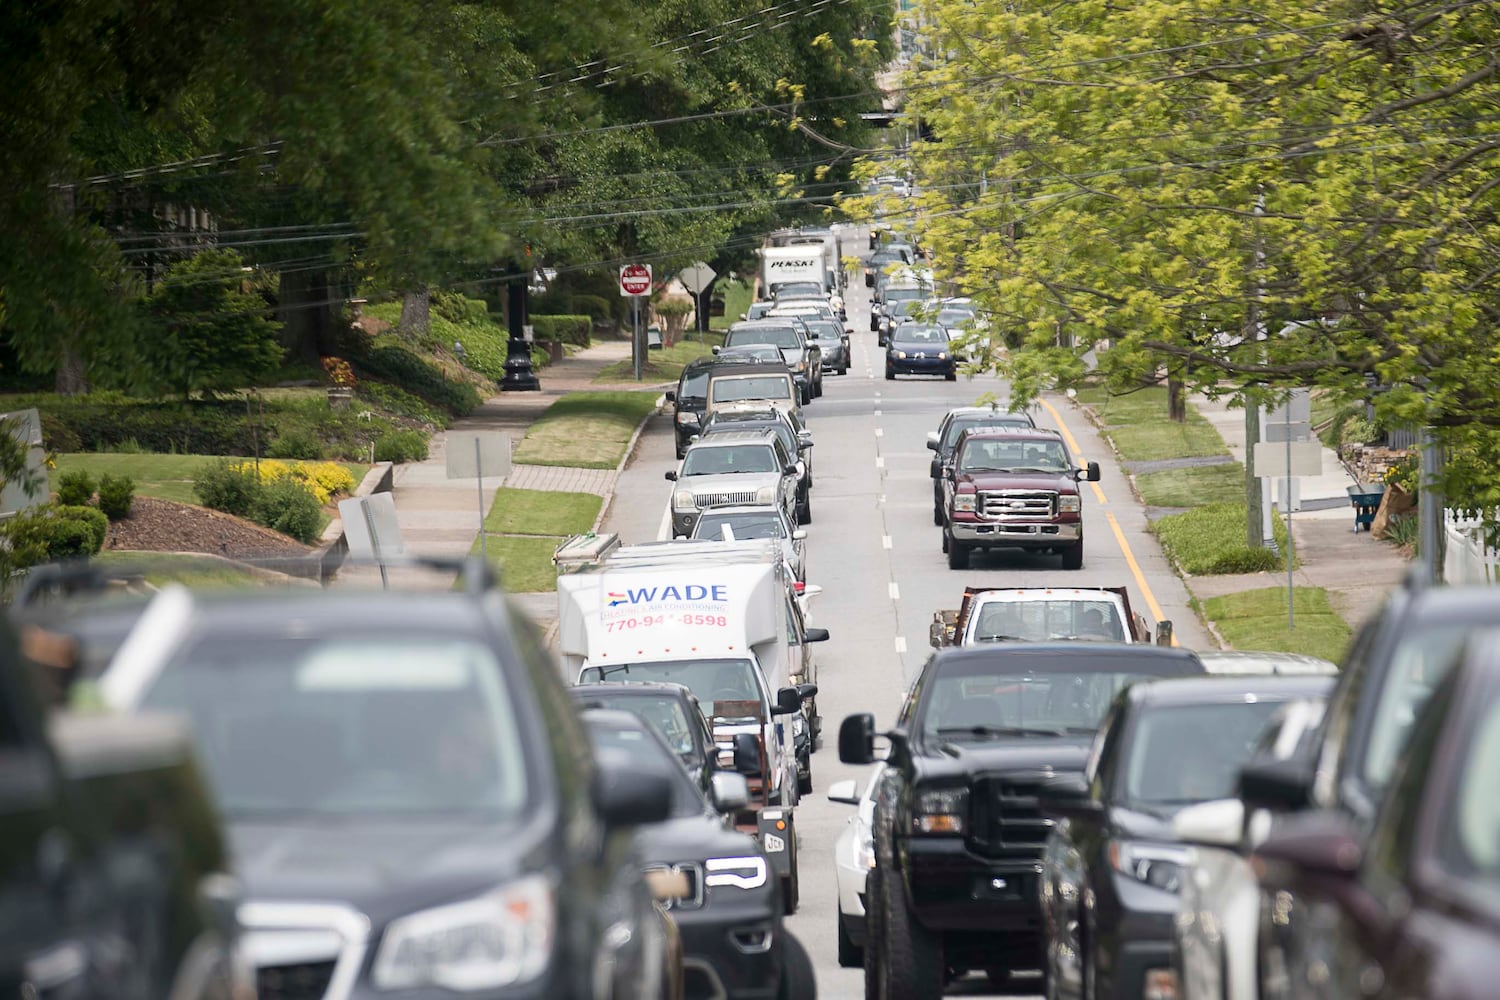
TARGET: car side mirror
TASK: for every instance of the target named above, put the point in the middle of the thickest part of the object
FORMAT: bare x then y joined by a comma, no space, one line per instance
1090,473
845,791
804,445
715,349
857,739
788,700
626,795
731,791
1220,823
742,315
816,635
806,691
671,477
1280,786
746,754
790,468
671,396
932,441
799,534
1068,797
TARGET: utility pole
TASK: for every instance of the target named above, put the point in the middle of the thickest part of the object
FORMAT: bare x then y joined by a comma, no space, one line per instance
1430,508
1254,498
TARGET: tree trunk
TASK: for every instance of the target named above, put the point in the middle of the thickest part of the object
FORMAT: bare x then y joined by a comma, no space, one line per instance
305,307
71,380
1176,401
416,313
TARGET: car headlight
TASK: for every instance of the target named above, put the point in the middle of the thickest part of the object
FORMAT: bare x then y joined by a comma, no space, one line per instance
800,367
940,810
963,501
864,854
766,494
740,873
500,939
684,499
942,356
799,724
901,355
1069,505
1157,865
684,417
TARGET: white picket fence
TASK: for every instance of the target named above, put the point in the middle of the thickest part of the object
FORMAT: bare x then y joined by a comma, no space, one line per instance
1467,559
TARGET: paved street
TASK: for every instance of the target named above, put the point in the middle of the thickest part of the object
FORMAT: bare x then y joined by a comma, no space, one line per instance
876,553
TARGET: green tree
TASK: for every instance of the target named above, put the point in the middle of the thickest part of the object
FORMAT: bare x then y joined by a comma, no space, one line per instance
208,332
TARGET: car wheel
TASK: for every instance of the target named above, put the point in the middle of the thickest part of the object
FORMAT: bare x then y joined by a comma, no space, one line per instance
1073,557
951,376
798,981
804,784
914,955
790,894
958,553
874,937
807,395
890,376
945,541
851,955
803,511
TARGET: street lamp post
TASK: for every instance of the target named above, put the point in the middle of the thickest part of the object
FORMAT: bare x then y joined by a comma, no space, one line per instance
519,376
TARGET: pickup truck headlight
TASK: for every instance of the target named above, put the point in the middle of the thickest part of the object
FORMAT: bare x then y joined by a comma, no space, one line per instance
684,417
500,939
1158,865
766,494
940,811
963,501
684,500
1069,505
738,873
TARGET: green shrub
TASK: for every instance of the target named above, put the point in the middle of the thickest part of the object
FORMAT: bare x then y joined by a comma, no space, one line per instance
397,400
75,489
93,517
401,446
457,308
70,538
296,442
595,307
58,436
199,428
224,487
116,494
568,329
416,375
284,505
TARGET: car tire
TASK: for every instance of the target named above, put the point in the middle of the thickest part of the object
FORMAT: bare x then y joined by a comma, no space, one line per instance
951,377
803,511
807,396
1072,557
890,376
937,515
798,981
851,955
945,543
958,553
790,892
804,785
913,955
874,936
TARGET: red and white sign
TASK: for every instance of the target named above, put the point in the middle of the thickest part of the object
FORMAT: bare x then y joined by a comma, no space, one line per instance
635,279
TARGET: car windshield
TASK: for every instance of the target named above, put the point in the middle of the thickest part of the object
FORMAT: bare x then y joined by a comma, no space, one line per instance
766,525
759,309
1180,755
913,334
1018,455
793,289
711,681
780,336
694,386
649,755
732,390
1039,621
824,331
955,317
755,352
1422,658
728,460
903,295
977,705
341,725
909,307
1467,845
665,714
958,426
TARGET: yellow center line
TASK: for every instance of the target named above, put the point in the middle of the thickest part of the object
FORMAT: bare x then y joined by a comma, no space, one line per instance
1072,445
1135,570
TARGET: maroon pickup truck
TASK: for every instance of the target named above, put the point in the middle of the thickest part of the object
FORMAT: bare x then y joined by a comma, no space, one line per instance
1014,487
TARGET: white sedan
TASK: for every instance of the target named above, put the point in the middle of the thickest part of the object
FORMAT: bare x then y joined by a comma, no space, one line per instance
853,857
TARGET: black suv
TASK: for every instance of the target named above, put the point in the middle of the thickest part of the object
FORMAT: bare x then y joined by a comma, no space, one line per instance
690,400
957,828
725,903
675,712
410,794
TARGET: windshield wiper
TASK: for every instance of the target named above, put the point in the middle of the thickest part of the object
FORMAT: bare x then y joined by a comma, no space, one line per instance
1027,468
999,731
616,668
1001,638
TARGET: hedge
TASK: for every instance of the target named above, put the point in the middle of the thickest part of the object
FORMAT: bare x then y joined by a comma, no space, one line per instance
568,329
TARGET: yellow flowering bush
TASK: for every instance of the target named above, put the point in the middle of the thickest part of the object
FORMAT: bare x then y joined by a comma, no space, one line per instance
323,480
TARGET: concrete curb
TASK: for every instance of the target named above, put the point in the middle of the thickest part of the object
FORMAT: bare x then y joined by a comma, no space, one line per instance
609,498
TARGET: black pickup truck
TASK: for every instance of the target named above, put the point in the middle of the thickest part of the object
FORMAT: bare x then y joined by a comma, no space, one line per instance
957,829
114,868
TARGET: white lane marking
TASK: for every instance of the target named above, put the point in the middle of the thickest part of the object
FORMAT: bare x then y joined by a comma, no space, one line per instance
877,395
879,462
877,413
879,432
664,530
900,643
895,589
885,541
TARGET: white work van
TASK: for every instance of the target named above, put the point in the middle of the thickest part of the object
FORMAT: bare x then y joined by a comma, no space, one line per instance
723,619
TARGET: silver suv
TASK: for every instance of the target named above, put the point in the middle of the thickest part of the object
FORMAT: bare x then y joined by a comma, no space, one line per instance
740,467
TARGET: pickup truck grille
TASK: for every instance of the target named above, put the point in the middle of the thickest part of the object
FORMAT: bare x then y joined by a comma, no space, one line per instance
721,499
300,981
1005,505
1007,821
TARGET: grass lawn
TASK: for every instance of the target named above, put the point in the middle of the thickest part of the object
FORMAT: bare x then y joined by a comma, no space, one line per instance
587,430
1138,424
1256,619
664,365
541,512
524,563
1210,540
1193,486
166,477
736,301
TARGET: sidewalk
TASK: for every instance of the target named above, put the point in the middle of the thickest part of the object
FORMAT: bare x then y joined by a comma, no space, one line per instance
1354,568
441,516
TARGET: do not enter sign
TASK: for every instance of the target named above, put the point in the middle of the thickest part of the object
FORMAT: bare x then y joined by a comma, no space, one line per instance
635,279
